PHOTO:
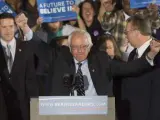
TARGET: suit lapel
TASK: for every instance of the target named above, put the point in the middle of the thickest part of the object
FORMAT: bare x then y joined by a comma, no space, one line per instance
92,69
18,50
2,60
131,55
4,68
69,59
145,52
72,67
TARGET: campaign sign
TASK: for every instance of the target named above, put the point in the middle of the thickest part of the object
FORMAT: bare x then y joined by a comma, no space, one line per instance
73,105
142,3
5,8
159,10
56,10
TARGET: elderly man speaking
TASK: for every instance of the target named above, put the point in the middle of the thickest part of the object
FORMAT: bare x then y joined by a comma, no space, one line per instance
79,60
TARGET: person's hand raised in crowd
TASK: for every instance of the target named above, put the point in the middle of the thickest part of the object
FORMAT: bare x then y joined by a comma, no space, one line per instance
39,20
76,9
153,8
108,5
38,24
21,21
154,48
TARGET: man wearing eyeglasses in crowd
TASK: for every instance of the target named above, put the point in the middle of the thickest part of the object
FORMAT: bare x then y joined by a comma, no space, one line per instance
121,16
139,94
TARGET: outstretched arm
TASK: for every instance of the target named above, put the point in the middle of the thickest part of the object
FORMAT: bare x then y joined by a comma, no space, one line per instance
138,66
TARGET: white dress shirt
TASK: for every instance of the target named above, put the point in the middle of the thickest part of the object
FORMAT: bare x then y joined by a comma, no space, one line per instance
143,48
126,16
27,36
12,44
85,71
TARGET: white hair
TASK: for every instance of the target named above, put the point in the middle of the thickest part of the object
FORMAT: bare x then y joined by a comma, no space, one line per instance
81,32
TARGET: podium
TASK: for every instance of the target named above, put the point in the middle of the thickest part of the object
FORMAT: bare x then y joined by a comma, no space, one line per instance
34,113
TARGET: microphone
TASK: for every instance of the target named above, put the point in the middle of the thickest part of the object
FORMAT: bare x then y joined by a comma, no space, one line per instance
75,82
67,80
86,83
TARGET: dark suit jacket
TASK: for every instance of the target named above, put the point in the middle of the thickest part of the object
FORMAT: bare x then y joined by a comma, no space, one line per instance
20,85
43,55
155,96
100,67
3,111
136,95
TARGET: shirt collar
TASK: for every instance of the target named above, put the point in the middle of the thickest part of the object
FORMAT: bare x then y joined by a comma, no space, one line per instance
12,43
141,49
126,16
83,62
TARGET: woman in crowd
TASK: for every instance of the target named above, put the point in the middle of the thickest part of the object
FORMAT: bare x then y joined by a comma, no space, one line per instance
30,7
89,16
108,44
78,22
106,7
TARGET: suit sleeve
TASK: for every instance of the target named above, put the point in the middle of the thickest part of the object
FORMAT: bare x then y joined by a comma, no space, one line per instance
157,60
3,110
31,81
129,69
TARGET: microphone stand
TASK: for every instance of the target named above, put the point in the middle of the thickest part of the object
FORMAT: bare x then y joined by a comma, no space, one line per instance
74,84
72,90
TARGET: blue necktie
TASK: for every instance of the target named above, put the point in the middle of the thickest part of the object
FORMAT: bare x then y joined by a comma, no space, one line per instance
9,58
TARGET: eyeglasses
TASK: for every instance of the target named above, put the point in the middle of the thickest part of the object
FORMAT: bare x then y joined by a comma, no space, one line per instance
126,32
81,47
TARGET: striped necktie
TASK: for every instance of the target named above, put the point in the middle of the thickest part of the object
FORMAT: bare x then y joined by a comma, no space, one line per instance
80,89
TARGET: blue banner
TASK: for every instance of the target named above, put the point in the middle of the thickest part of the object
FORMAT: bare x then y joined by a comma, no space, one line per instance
5,8
142,3
56,10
